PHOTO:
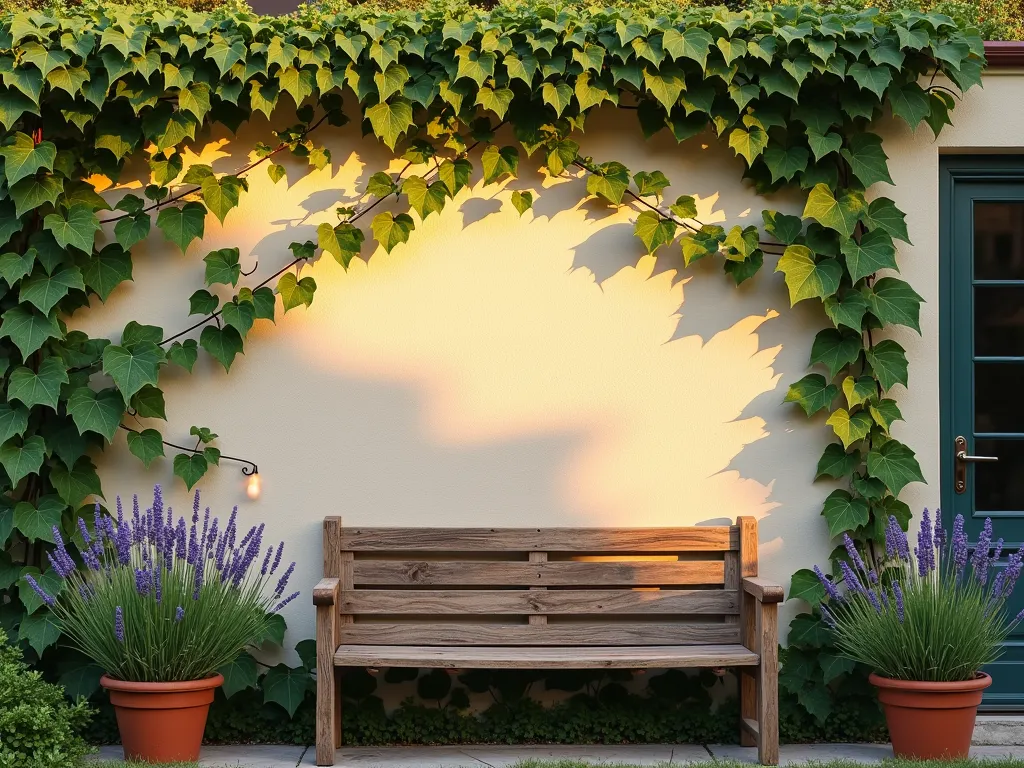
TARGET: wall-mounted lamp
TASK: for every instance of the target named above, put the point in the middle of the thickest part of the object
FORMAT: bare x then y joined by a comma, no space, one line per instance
254,486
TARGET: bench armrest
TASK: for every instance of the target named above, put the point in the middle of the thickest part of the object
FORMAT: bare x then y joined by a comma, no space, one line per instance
764,591
326,592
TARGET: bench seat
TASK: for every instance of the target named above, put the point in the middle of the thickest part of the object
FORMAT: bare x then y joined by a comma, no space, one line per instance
548,598
545,657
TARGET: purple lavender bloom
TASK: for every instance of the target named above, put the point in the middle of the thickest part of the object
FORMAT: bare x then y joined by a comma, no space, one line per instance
997,551
123,544
284,580
979,563
830,588
97,526
158,591
940,532
247,538
232,527
180,539
136,520
894,532
850,578
266,560
206,526
119,624
1019,616
925,546
56,565
199,576
897,594
1013,568
854,555
142,581
195,507
959,545
277,558
84,531
179,613
43,595
874,600
826,614
285,602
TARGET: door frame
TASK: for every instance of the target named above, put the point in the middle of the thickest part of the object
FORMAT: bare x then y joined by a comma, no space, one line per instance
954,170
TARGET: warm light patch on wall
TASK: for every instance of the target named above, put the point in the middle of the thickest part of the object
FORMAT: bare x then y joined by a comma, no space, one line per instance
504,336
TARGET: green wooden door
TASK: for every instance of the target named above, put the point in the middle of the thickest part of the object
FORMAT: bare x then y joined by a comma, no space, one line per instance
982,365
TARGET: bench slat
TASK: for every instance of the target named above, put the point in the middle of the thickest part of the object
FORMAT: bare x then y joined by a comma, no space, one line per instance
629,657
534,602
561,573
696,539
609,633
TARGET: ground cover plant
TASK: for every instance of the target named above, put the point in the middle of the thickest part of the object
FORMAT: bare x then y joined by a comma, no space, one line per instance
460,93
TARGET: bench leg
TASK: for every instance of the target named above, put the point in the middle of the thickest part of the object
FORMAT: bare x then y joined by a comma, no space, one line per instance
328,698
768,685
748,704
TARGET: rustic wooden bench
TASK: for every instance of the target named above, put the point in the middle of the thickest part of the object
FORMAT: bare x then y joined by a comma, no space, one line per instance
548,598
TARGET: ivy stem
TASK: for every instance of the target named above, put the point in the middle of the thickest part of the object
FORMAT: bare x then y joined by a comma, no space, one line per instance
174,198
223,457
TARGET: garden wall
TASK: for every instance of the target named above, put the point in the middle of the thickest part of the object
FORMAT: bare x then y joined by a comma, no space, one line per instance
506,371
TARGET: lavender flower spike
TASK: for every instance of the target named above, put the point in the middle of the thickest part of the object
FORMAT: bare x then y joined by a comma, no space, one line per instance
179,613
897,593
854,555
119,624
894,531
285,602
830,588
43,595
940,532
959,545
284,580
979,563
925,546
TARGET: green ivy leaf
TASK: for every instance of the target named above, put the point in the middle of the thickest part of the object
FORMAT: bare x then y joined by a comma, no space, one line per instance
885,412
148,403
14,266
844,513
895,465
134,368
294,291
841,215
846,308
190,467
286,686
812,393
98,412
45,291
823,144
858,390
28,329
221,195
40,630
22,157
499,162
786,229
425,198
147,445
894,302
37,522
889,362
110,267
807,278
836,462
805,585
222,267
882,214
654,231
343,242
692,43
835,349
522,201
867,159
810,631
22,460
184,353
850,427
910,102
240,315
784,164
749,142
77,228
390,230
34,192
390,119
874,252
182,225
240,674
222,343
33,388
609,181
74,484
13,420
874,79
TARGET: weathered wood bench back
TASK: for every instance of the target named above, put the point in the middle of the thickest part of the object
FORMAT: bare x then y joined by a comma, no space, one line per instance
537,586
547,598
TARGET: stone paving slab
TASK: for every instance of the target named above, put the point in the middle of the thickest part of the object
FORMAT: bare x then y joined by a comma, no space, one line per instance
496,756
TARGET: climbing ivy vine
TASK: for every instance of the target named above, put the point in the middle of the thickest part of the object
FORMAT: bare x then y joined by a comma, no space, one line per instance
793,92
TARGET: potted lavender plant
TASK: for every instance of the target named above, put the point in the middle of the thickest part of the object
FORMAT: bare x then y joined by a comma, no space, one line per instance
160,605
926,622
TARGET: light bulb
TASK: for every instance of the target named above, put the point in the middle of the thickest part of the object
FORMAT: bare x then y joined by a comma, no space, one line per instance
252,490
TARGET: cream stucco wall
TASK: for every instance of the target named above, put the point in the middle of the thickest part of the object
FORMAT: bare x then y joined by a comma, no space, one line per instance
499,370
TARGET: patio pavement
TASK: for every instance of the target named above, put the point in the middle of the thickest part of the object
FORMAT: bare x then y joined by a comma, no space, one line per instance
496,756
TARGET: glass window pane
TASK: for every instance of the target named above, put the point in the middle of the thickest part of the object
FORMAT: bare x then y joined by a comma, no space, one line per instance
999,321
999,241
999,487
998,405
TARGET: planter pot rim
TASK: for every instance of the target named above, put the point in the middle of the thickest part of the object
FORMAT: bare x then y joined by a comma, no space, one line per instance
980,681
181,686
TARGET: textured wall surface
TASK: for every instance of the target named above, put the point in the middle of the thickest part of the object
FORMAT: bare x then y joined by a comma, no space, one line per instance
542,370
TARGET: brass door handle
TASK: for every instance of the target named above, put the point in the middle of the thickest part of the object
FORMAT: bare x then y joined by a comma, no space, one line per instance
962,460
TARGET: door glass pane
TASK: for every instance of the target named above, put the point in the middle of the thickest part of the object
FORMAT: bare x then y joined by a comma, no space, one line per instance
999,240
999,321
999,486
998,404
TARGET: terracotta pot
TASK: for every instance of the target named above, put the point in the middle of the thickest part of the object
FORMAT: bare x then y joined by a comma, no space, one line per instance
930,721
162,722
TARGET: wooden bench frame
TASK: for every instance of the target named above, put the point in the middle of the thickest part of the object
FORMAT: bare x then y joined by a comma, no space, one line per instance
746,638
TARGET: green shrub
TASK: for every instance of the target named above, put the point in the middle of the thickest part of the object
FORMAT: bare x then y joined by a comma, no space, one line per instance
39,728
